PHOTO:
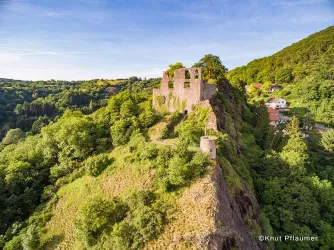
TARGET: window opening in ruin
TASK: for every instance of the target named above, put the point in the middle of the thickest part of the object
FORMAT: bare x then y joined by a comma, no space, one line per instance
170,84
185,112
187,74
186,84
196,74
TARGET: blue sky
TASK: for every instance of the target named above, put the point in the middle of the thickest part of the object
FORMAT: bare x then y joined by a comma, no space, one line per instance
88,39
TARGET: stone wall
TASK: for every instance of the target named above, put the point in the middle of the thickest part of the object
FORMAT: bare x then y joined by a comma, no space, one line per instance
212,119
181,93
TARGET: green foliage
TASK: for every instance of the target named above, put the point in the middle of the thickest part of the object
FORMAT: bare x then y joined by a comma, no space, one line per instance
164,132
31,239
191,129
121,131
96,164
178,167
327,140
14,244
213,70
263,131
121,224
74,136
304,69
283,75
98,217
292,127
267,85
13,136
295,152
212,67
173,67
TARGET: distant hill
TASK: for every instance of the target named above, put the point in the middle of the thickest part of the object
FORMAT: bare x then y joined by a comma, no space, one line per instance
8,80
313,55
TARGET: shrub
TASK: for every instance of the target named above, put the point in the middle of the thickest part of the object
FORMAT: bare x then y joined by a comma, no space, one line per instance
98,217
14,244
144,222
149,152
122,130
96,164
164,132
13,136
30,239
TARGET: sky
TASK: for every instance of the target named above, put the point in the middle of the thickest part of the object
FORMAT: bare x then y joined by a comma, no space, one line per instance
90,39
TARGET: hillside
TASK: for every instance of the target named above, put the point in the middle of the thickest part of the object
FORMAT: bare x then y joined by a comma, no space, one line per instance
304,70
311,56
128,177
96,180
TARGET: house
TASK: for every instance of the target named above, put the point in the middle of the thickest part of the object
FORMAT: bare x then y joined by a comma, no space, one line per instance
276,103
274,87
273,116
255,85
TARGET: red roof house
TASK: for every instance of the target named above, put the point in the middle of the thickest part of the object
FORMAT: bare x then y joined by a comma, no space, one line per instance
257,85
273,116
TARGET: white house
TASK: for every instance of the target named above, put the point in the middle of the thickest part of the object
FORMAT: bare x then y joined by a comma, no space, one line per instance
276,103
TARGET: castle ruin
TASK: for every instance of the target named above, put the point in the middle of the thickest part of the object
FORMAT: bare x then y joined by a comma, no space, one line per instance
182,91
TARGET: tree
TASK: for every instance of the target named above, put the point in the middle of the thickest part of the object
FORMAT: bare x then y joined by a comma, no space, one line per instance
98,217
293,127
327,140
212,67
96,164
122,130
266,86
74,136
263,131
13,136
14,244
128,109
295,153
173,67
283,75
30,240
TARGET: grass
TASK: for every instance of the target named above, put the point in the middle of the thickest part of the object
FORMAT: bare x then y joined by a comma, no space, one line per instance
110,183
191,217
111,82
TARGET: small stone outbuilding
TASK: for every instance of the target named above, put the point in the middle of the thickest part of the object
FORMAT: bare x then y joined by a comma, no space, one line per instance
208,145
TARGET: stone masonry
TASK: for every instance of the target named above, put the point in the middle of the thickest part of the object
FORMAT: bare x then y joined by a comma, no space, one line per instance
183,91
208,145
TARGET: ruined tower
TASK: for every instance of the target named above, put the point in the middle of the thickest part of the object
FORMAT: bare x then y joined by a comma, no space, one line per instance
208,145
182,91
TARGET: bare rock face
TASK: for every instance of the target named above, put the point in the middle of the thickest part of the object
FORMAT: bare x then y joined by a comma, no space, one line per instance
237,218
209,217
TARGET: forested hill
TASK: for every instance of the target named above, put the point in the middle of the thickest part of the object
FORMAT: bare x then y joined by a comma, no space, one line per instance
305,72
27,106
312,56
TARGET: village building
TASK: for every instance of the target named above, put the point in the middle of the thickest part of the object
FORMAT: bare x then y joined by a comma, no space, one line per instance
182,91
274,87
273,116
276,103
255,85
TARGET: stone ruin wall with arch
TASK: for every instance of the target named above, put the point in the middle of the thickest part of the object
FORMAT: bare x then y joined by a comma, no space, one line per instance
182,91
